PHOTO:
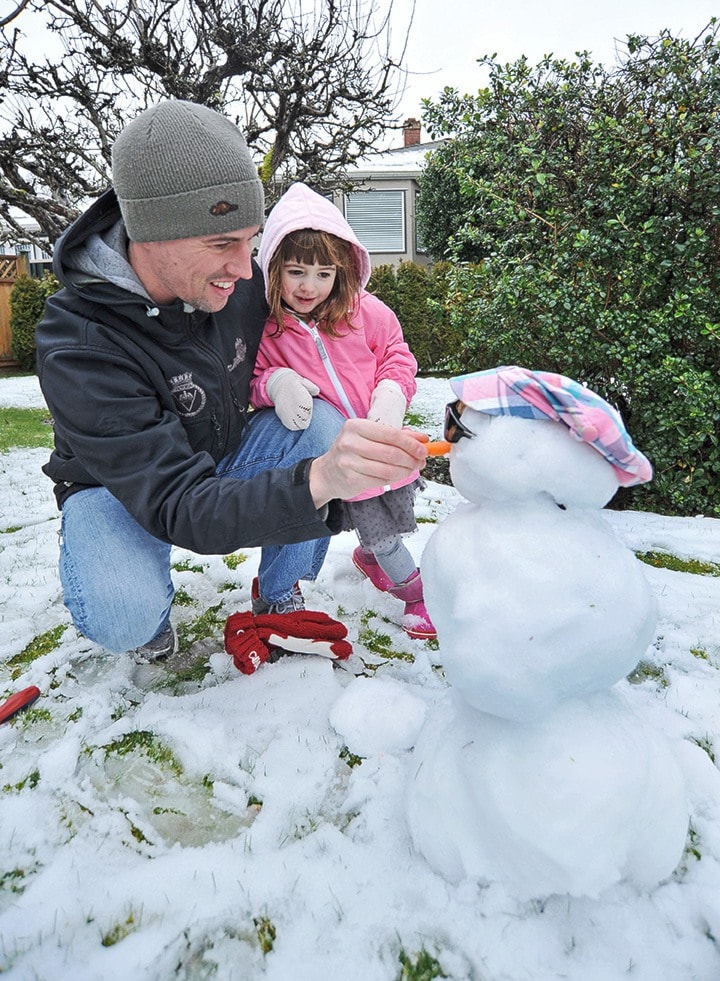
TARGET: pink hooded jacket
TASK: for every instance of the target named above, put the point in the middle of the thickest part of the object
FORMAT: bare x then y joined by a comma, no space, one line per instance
348,368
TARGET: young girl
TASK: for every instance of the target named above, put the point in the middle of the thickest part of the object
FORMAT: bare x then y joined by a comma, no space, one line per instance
327,337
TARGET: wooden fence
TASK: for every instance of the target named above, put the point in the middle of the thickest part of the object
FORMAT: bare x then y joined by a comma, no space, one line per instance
11,267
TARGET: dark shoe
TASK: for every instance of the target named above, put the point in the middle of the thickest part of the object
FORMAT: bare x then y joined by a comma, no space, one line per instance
157,649
294,602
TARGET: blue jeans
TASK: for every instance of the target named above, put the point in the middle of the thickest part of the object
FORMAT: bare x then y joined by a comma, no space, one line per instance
116,576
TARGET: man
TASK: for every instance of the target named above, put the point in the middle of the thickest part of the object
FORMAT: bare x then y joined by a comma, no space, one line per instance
144,359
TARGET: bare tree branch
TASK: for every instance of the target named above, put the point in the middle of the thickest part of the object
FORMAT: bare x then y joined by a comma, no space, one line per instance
314,84
14,13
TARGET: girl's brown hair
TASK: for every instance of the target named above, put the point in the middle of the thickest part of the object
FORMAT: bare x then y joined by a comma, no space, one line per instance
308,247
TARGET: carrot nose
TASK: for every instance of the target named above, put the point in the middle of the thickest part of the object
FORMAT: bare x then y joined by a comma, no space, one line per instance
439,447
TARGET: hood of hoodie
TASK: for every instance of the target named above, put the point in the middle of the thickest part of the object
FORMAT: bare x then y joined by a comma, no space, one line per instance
301,207
93,249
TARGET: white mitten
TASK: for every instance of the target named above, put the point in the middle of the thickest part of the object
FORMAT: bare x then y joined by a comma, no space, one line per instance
292,397
388,404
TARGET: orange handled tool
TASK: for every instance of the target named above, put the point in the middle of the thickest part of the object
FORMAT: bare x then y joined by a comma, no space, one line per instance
17,702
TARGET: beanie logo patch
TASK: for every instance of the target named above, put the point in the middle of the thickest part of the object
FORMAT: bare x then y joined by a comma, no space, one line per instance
223,208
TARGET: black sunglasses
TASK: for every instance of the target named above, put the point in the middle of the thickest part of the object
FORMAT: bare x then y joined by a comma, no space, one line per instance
454,428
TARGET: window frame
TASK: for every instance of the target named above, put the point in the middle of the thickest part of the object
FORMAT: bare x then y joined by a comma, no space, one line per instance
377,245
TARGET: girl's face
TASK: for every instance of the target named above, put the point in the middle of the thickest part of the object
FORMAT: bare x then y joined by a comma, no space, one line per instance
304,287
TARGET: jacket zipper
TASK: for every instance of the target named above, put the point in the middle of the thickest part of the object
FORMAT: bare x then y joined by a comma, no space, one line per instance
329,367
228,397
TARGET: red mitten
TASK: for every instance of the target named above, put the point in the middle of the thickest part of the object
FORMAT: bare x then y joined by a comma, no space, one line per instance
305,632
243,643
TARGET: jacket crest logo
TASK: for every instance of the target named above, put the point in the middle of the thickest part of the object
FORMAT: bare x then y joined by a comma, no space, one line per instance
223,208
189,397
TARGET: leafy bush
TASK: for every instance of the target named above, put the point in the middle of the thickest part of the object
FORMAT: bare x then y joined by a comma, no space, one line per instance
27,305
440,208
591,209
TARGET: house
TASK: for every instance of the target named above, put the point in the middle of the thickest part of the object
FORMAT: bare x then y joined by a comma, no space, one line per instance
34,259
381,211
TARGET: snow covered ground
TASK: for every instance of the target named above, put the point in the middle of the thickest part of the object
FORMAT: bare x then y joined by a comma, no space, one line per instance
156,825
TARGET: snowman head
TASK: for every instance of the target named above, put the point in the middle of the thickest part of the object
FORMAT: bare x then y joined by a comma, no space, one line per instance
536,433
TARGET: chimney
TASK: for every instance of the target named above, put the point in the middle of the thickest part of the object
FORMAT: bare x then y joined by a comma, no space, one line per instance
411,132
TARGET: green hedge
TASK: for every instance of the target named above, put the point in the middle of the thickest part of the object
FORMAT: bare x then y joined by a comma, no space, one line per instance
27,305
419,297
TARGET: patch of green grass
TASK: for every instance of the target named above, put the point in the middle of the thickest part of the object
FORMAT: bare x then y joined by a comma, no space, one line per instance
208,624
646,671
379,643
38,647
416,420
13,881
426,521
137,834
194,672
31,716
31,781
266,933
187,566
420,967
705,743
121,930
25,429
692,846
691,852
663,560
700,654
182,598
350,758
234,560
147,743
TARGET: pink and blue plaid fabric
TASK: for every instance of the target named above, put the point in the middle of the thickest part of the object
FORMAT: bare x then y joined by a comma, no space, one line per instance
529,394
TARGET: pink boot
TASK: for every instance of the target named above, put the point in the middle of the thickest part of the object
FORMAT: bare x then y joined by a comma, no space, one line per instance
368,565
416,620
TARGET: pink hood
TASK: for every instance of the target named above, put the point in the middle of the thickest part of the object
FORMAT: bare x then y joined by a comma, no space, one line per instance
299,207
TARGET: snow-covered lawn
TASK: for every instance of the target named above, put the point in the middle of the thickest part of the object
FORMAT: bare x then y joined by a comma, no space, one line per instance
156,824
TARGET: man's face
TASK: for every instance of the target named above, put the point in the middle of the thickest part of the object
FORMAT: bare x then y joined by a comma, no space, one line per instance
200,271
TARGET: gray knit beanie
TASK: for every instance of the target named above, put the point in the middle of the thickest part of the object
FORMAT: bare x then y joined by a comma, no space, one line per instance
181,170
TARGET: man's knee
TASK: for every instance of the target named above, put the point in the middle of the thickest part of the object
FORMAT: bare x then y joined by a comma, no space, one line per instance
116,621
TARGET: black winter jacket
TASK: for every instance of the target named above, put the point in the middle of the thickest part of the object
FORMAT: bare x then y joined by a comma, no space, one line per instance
147,400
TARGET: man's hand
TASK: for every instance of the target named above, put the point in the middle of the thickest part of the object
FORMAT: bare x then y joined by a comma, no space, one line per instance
364,455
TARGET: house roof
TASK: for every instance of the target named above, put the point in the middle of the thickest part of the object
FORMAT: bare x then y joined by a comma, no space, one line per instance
404,161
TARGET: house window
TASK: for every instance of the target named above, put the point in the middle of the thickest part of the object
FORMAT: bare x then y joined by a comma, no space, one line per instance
378,219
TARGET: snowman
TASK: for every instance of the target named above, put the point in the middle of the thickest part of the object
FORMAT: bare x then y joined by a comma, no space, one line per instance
543,778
